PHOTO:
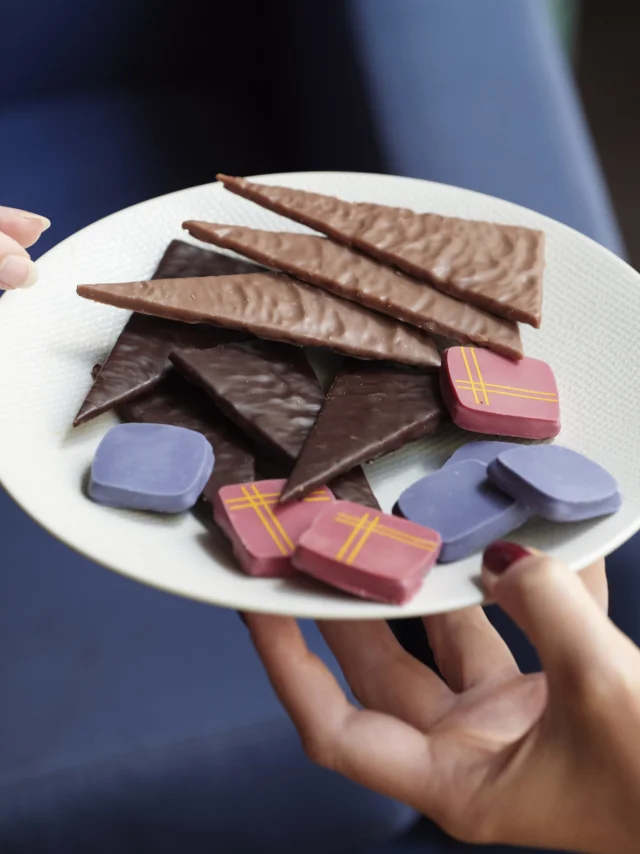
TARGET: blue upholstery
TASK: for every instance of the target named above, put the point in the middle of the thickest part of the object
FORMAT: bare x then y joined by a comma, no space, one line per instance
136,722
140,722
483,100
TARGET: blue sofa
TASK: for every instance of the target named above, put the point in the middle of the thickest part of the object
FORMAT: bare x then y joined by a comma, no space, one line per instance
130,721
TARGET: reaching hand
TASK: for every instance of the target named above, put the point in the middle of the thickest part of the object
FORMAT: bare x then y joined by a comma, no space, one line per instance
18,231
491,755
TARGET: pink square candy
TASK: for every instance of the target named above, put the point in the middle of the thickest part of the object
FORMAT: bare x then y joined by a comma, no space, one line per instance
263,533
488,393
367,553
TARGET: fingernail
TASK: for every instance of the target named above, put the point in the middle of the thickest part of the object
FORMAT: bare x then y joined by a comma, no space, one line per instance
46,223
499,556
17,271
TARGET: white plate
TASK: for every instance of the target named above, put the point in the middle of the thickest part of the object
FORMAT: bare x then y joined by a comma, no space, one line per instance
50,339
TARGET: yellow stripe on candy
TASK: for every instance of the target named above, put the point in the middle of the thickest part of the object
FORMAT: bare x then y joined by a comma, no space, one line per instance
276,522
241,503
360,523
241,498
484,388
258,509
492,386
274,501
470,375
363,539
391,533
464,386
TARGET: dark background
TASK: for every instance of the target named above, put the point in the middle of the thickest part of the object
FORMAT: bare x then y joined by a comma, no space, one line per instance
607,63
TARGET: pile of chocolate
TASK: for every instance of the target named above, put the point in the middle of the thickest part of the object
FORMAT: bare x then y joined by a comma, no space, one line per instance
216,346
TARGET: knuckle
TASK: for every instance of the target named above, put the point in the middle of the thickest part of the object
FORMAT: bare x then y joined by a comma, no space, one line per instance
319,749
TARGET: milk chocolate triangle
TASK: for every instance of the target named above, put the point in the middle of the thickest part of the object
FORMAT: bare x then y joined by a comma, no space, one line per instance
366,413
274,306
140,356
496,267
352,275
175,402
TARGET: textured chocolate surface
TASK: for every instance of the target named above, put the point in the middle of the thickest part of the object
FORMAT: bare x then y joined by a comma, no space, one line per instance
175,402
271,393
369,411
496,267
140,356
274,306
354,276
267,389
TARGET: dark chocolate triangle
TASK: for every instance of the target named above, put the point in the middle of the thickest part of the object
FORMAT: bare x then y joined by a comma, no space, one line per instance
175,402
369,411
496,267
271,393
354,486
267,389
140,356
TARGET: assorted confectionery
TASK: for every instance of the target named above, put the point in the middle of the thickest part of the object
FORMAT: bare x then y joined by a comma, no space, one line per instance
224,415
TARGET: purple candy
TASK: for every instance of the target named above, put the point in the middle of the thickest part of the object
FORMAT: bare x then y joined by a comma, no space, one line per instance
463,507
155,467
556,483
481,452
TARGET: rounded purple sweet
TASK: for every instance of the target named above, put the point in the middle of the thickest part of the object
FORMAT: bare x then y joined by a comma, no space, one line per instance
156,467
481,452
556,483
463,507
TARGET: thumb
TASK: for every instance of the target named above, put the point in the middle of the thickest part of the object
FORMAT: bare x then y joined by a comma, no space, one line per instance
555,610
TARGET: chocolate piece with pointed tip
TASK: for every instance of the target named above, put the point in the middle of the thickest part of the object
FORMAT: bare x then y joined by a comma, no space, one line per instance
267,389
140,357
496,267
352,275
369,411
271,393
354,486
274,306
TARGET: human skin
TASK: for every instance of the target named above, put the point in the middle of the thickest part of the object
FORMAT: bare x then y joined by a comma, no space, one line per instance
18,231
550,760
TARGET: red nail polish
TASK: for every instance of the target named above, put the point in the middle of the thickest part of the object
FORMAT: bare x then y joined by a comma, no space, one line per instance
499,556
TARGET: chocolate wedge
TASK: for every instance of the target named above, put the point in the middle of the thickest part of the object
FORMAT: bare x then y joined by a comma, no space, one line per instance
352,275
267,389
140,357
354,486
496,267
271,393
369,411
270,305
175,402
